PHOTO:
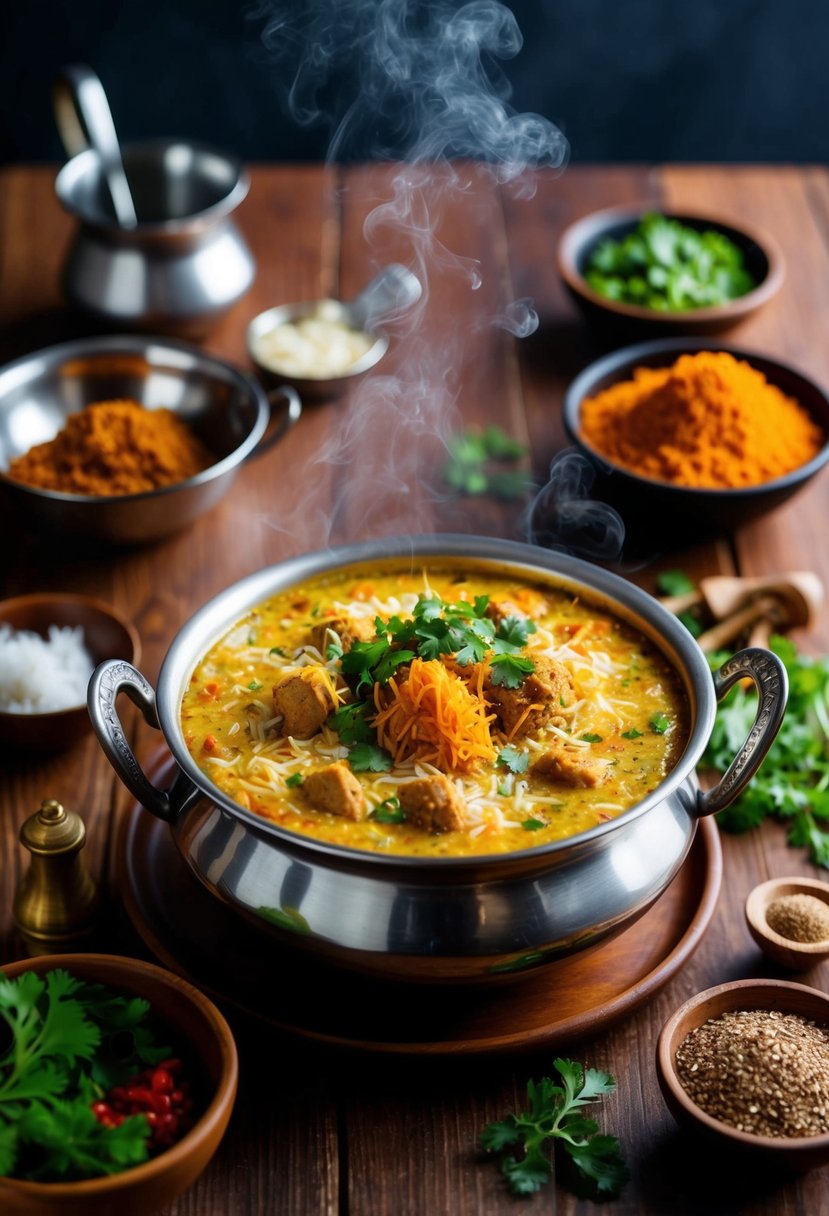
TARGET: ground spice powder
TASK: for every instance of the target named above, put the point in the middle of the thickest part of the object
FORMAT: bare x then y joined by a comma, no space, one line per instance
799,917
710,420
111,448
759,1070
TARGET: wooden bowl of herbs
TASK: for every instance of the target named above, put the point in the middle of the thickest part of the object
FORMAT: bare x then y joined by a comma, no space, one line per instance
639,272
744,1066
123,1104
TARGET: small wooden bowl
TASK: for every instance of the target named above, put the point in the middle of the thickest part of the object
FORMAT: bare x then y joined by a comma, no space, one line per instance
763,259
793,1154
197,1023
794,955
107,635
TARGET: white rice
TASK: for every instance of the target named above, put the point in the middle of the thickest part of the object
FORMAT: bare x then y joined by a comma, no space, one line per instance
38,674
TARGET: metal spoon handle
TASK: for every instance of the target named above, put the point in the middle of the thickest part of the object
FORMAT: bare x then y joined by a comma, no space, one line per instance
84,120
392,291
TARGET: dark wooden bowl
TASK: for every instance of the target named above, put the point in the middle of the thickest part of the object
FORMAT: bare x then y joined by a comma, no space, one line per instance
107,635
194,1021
763,259
796,1154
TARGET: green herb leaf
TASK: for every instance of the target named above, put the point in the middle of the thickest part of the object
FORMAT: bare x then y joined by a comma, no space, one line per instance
516,761
349,722
369,758
532,825
293,780
633,733
555,1116
673,582
660,723
590,738
510,671
388,811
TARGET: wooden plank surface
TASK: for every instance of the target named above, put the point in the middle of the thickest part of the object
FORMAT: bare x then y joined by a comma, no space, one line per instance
316,1131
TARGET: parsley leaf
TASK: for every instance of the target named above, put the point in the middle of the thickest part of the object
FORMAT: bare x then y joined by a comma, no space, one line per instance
515,760
388,811
532,825
472,464
659,723
590,738
508,670
554,1115
369,758
349,722
293,780
673,582
633,733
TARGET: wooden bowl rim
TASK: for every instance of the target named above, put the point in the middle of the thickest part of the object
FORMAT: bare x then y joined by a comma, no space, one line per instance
123,968
570,245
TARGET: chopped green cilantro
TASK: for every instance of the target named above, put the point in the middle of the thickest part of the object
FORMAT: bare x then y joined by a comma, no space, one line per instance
388,811
294,779
532,825
513,759
473,459
254,686
659,723
590,738
633,733
369,758
673,582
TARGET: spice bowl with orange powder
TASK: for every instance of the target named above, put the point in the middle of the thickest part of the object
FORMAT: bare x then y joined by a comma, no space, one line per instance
687,437
127,439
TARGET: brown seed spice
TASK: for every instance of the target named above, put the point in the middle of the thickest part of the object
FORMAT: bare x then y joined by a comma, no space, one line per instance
759,1070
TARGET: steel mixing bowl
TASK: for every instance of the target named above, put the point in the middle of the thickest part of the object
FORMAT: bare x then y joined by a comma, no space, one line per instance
444,919
226,409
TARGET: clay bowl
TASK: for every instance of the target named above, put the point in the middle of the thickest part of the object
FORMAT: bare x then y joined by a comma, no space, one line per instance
106,635
763,259
197,1024
786,952
649,507
792,1154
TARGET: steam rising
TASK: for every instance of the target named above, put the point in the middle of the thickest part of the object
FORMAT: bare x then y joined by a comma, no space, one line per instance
564,517
417,84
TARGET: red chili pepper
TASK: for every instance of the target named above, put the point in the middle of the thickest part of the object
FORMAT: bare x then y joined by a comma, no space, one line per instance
160,1095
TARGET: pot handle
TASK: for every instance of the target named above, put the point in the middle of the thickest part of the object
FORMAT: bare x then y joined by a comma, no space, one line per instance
287,399
110,678
769,675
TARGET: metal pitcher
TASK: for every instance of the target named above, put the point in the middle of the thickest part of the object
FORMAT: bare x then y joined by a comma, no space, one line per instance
156,247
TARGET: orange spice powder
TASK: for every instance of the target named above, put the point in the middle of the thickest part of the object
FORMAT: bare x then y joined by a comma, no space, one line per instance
111,448
709,421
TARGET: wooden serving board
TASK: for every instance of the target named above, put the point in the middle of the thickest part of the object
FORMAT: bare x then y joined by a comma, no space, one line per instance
193,933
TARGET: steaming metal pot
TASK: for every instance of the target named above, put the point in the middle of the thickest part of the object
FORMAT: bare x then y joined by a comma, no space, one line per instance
175,261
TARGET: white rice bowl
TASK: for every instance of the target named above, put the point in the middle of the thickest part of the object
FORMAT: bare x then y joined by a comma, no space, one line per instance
40,675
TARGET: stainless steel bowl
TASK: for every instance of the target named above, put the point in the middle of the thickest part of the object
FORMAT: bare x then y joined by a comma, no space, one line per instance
444,919
226,409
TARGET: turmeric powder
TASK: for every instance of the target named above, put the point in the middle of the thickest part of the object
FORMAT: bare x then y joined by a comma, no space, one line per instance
710,421
111,448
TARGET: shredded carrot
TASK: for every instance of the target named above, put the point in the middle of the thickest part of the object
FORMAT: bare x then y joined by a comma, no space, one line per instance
433,716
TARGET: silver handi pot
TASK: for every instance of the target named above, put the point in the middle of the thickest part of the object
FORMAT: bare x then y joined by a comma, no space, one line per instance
156,246
469,919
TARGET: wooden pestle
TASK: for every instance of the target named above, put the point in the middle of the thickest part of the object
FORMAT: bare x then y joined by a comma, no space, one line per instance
760,604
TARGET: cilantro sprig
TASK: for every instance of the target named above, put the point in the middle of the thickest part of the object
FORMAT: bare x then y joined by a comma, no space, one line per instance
436,627
555,1117
70,1042
792,785
474,460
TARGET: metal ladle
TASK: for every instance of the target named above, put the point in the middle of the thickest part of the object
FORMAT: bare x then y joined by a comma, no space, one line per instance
389,293
84,120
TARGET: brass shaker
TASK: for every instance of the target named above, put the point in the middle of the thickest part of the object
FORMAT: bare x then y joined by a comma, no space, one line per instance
57,900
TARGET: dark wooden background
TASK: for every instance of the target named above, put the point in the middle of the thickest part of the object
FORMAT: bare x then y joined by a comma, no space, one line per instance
316,1131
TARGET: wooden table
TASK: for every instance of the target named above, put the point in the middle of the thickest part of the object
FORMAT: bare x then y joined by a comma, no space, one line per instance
321,1132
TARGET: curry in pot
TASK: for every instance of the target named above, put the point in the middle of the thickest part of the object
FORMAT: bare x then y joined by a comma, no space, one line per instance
434,713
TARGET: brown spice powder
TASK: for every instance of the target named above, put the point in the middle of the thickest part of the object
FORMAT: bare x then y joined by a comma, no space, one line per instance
799,917
760,1071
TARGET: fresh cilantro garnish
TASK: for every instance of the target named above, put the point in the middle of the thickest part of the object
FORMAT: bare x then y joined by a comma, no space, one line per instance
513,759
509,670
633,733
473,459
277,650
349,722
659,723
254,686
294,779
532,825
792,785
668,266
591,738
369,758
388,811
70,1042
554,1117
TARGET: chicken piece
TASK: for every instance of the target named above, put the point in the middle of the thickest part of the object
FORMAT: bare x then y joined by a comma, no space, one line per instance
304,701
432,804
499,610
335,789
537,701
349,629
570,768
